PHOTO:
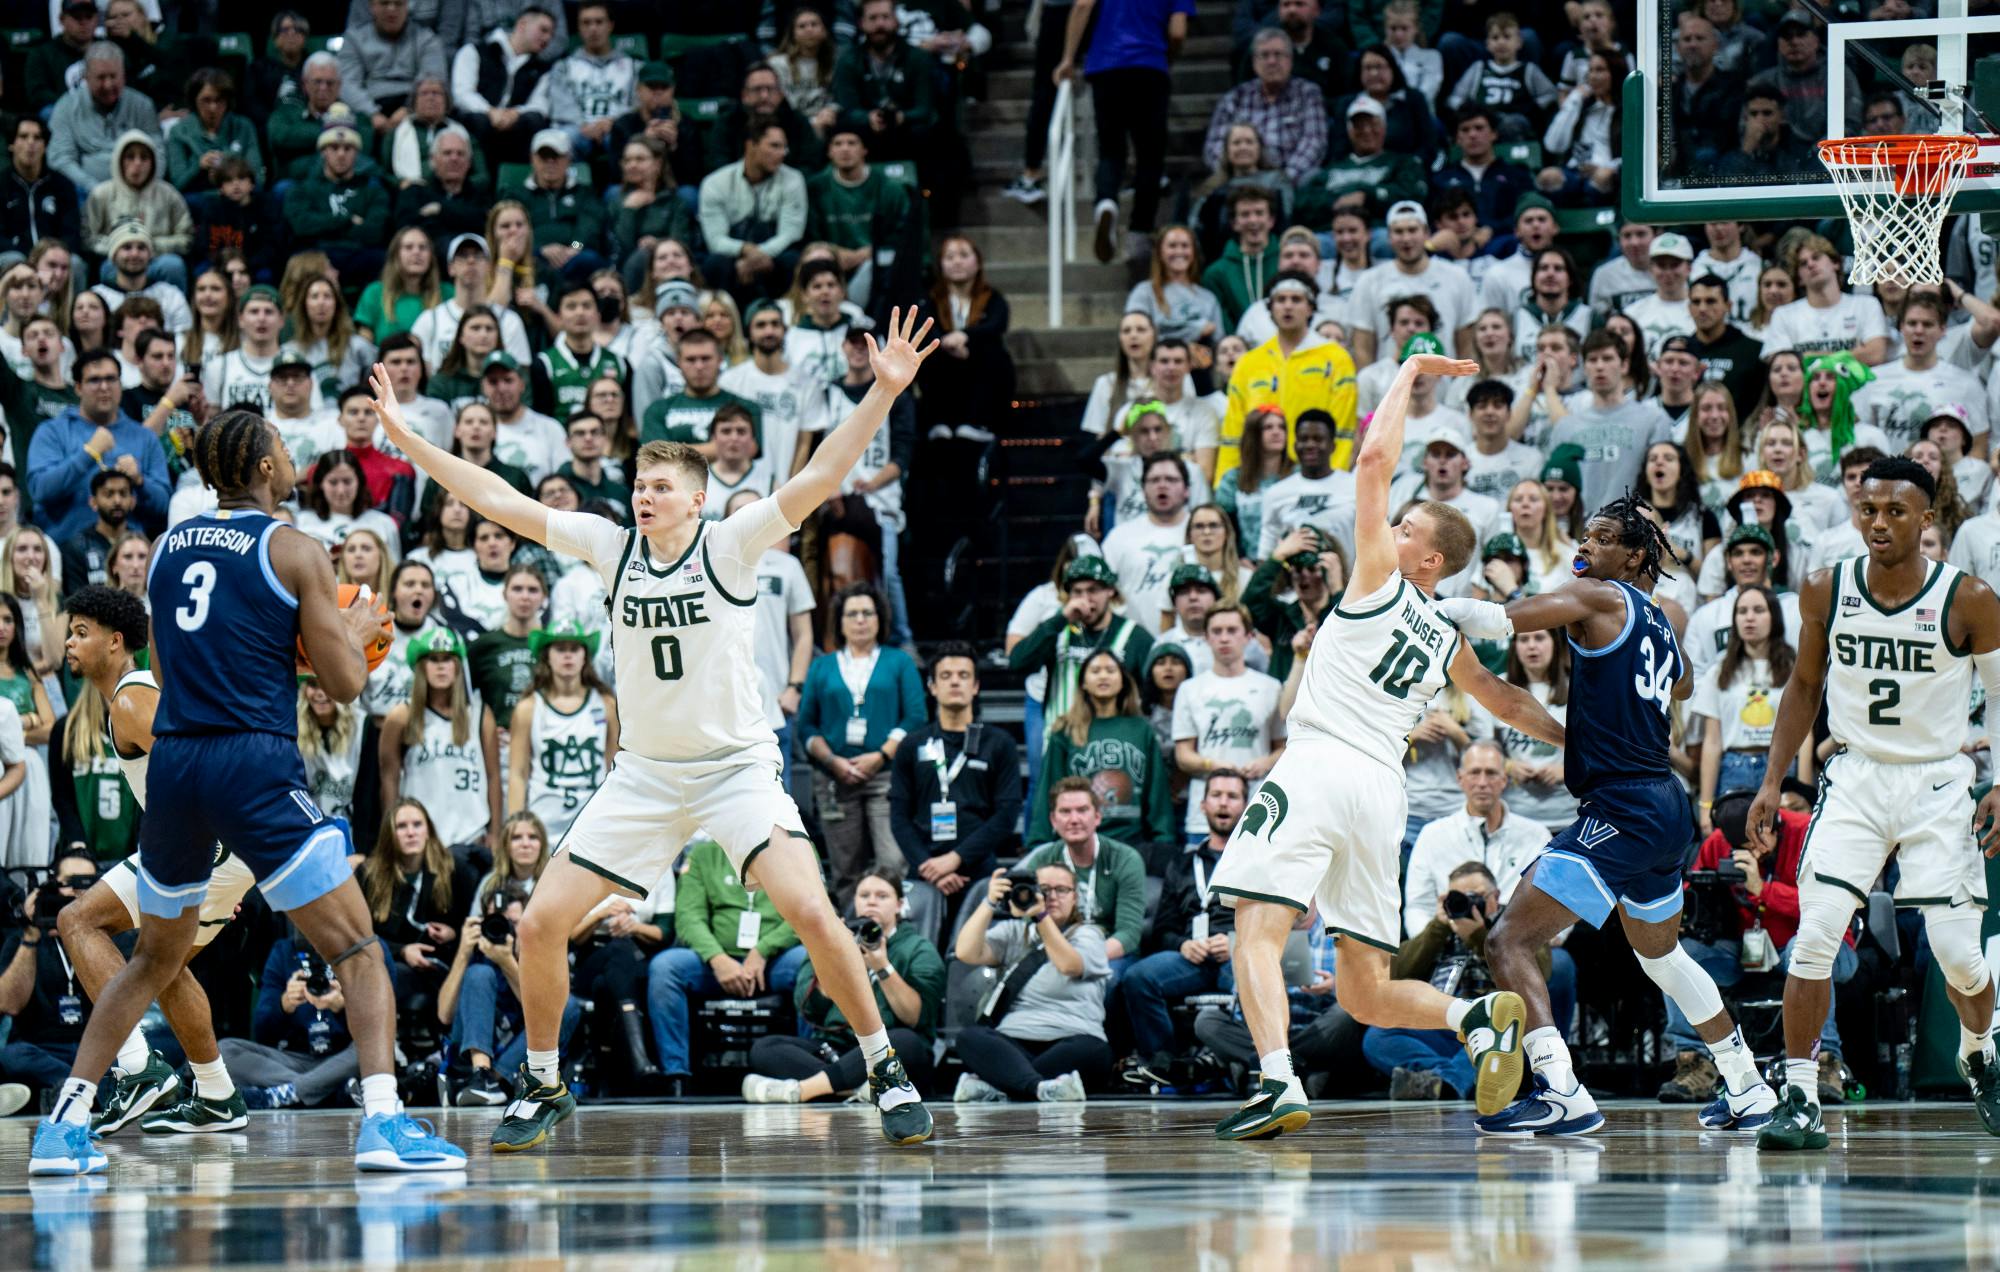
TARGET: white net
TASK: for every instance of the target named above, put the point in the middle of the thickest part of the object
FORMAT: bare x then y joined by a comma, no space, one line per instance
1897,191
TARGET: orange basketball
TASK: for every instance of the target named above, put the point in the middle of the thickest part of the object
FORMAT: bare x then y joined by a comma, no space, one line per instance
347,596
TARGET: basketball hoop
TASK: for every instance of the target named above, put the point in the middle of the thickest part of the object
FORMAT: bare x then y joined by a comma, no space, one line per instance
1897,191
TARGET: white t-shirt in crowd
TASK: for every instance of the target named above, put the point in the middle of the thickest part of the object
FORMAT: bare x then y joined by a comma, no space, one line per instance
1231,719
1444,282
1144,553
1708,628
1657,319
1290,502
1746,708
1617,283
1847,322
1899,401
788,404
782,591
437,327
534,443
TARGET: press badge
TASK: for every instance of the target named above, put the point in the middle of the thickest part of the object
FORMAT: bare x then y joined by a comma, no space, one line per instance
944,822
69,1009
748,924
857,730
1201,926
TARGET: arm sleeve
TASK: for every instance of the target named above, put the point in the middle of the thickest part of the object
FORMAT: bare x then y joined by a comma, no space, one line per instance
792,205
465,96
55,477
354,79
564,106
925,973
1035,649
715,215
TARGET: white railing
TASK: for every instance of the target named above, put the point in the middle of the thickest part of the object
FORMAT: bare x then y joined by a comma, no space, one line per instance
1062,193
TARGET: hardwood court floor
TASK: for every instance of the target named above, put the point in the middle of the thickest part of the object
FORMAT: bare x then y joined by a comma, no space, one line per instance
1062,1187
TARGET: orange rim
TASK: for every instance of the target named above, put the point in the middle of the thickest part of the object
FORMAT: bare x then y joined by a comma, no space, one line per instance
1917,159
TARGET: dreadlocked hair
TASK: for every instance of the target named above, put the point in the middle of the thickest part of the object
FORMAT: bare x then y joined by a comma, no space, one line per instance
227,448
1636,530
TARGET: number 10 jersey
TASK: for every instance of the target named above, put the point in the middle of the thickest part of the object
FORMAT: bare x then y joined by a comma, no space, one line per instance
1372,671
1896,688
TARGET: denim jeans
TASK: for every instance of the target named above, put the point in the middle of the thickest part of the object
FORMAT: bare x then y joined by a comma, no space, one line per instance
1427,1050
1741,770
1159,979
1723,961
678,974
484,999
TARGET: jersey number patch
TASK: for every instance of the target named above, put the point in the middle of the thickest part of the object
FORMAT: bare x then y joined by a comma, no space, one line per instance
1887,694
200,583
1402,666
667,657
1656,682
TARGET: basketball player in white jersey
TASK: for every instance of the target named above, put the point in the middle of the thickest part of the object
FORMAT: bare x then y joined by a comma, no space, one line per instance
696,749
106,627
1891,639
1327,825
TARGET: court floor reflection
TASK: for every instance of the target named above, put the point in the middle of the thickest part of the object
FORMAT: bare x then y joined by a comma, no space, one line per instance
1061,1187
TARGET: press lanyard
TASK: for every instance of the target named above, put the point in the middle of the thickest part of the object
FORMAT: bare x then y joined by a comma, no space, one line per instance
946,776
1200,880
1086,890
847,663
68,971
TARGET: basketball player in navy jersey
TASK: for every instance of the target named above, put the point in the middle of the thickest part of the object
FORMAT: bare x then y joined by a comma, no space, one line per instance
232,594
1633,824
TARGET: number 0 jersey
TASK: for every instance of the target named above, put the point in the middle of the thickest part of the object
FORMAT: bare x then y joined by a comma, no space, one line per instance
225,630
1896,688
1373,670
1619,700
683,634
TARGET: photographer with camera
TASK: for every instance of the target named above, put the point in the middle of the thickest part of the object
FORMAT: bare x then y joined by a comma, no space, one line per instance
482,989
1040,1034
1743,911
909,978
1450,953
40,989
300,1054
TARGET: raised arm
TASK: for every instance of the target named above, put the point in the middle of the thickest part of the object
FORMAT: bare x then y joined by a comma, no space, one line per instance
486,493
895,365
1509,703
1375,468
1799,706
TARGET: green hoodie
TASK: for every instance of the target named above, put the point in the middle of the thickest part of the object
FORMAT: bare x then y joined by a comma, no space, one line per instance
709,903
915,959
320,210
1122,759
1239,282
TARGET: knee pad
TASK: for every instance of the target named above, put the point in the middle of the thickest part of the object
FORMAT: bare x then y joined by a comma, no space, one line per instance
1954,934
1824,911
1682,980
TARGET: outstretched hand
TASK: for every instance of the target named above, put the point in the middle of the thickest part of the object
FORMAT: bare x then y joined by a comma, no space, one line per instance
1437,364
895,362
387,408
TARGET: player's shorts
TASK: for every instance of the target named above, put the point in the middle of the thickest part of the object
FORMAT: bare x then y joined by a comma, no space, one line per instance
1327,826
1627,847
635,825
246,791
227,887
1922,812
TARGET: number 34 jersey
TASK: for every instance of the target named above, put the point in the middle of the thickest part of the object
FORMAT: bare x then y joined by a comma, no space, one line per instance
1897,690
1620,697
683,633
1372,671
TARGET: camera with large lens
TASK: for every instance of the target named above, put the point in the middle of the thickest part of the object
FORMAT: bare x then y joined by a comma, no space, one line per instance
867,933
1023,893
319,973
1711,904
50,900
1463,905
496,927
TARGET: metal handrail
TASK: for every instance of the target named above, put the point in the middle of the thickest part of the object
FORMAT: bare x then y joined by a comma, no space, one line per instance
1061,193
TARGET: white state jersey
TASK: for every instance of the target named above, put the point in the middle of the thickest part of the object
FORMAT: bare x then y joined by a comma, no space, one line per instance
449,779
683,633
567,760
134,768
1373,670
1896,689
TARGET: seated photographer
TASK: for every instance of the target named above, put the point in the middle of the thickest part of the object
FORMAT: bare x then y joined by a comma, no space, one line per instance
483,989
909,978
1743,911
1040,1034
732,943
1323,1038
1193,928
1110,876
300,1054
1450,953
612,946
39,989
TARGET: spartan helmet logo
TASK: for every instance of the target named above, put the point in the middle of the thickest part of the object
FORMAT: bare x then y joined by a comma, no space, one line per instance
1268,806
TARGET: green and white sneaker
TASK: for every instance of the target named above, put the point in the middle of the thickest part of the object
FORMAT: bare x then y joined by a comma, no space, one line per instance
536,1111
1795,1125
1491,1033
1274,1109
908,1122
197,1114
1982,1074
134,1094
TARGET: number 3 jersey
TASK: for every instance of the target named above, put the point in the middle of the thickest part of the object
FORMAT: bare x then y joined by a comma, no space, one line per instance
1372,671
683,633
224,629
1619,700
1897,690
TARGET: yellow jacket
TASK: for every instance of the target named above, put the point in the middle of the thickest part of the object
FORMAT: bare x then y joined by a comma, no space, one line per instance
1319,374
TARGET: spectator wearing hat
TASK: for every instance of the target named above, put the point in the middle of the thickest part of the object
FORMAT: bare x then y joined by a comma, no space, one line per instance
499,85
1676,370
526,439
1410,271
468,263
655,114
1192,591
1288,113
1496,185
450,202
864,214
1906,391
884,86
128,272
1768,148
753,216
1613,430
1830,422
591,87
1368,175
567,215
657,373
91,117
36,201
89,438
1445,464
297,121
338,209
1949,428
305,429
1087,622
1240,275
685,416
242,376
1510,275
55,65
1665,312
1725,351
1707,100
381,61
1800,80
1299,369
137,193
1750,557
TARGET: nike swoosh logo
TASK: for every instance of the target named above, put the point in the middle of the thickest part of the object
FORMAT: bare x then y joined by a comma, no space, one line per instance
1940,786
524,1108
1252,1125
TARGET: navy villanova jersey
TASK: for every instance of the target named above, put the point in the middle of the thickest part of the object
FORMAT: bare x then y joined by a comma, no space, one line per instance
1619,700
225,628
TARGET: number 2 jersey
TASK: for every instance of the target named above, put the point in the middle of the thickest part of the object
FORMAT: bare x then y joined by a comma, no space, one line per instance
1897,690
1619,700
224,628
683,633
1372,671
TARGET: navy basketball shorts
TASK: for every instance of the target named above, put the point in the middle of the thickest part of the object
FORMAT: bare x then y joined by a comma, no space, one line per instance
1627,847
246,791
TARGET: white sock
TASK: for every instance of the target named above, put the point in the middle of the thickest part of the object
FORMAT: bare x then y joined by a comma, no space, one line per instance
378,1095
874,1046
1971,1044
211,1080
1455,1013
1803,1074
73,1102
545,1067
1737,1065
132,1054
1549,1055
1277,1067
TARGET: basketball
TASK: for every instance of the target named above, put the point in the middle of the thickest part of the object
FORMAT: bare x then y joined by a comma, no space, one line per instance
347,595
